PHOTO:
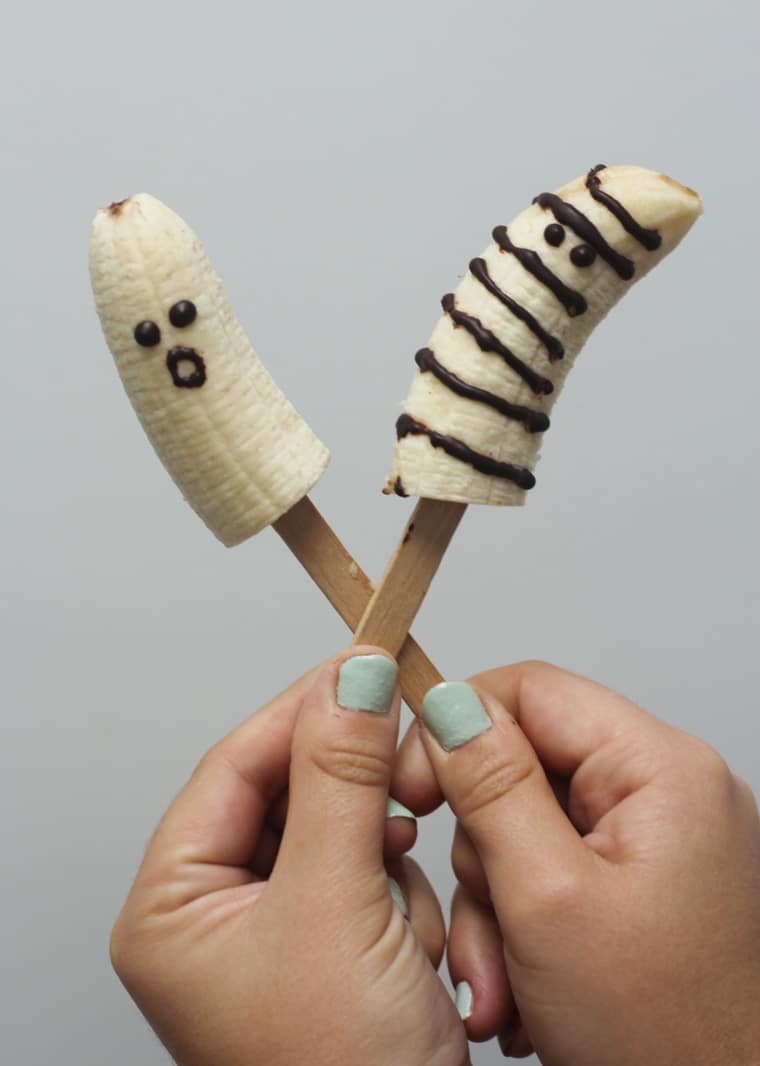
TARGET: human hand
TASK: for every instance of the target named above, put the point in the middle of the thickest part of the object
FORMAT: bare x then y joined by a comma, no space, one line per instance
242,945
609,870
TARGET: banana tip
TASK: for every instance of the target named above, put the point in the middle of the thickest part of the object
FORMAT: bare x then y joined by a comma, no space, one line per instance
684,190
117,206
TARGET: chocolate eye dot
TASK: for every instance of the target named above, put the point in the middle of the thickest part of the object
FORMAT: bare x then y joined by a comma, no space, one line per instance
554,234
182,313
583,255
147,334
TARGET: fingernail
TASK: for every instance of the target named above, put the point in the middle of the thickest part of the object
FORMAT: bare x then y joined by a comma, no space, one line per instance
505,1038
464,999
366,683
394,809
398,896
454,714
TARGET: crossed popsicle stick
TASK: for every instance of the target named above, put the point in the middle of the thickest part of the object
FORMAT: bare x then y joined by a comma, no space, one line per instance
332,567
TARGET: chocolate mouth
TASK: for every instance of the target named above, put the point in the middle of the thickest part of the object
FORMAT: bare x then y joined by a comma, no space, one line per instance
178,360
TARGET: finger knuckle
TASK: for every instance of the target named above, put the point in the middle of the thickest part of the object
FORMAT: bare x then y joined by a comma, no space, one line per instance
220,760
537,667
709,766
120,948
746,794
138,948
496,778
208,761
556,898
355,761
116,945
461,863
469,872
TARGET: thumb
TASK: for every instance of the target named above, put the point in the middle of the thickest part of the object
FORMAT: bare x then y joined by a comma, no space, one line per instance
343,750
496,786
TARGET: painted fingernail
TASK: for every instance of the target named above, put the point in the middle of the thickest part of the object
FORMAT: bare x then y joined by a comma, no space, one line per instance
394,809
454,714
505,1038
366,683
398,896
464,999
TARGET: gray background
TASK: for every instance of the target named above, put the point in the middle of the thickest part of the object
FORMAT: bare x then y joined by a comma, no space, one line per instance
342,162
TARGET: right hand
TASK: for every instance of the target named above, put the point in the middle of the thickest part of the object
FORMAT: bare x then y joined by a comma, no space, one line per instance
609,870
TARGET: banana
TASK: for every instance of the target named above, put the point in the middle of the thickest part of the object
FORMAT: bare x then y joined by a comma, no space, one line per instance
498,357
234,445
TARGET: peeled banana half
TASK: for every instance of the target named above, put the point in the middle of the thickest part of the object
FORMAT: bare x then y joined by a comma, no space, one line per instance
480,400
237,449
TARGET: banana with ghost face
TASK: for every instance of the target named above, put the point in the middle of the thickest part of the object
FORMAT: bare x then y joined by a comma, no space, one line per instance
497,359
235,446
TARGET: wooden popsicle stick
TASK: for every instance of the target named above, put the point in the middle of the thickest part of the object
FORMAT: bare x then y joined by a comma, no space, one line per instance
398,597
349,590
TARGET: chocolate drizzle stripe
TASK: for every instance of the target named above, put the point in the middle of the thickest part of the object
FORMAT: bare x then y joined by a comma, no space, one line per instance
534,421
649,238
489,342
575,220
573,302
457,449
553,345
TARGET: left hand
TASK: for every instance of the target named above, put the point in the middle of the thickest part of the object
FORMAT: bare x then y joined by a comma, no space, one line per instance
243,945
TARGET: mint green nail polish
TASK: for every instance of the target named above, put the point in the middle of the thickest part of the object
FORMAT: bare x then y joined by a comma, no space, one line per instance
394,809
454,714
398,896
463,999
366,683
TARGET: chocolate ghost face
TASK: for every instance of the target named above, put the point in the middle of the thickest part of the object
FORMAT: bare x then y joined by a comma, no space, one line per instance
186,366
236,448
158,298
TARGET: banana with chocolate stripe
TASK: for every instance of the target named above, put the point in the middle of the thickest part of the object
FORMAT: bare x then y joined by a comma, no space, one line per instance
497,359
488,378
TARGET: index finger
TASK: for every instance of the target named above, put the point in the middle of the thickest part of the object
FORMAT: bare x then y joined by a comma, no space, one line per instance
567,717
217,817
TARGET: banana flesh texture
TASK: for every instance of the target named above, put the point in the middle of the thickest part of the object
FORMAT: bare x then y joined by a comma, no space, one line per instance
234,445
498,357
